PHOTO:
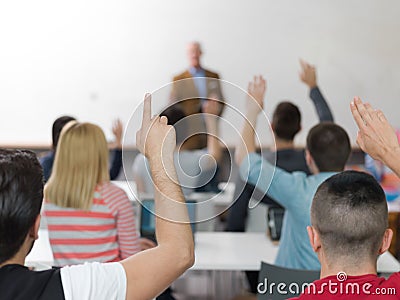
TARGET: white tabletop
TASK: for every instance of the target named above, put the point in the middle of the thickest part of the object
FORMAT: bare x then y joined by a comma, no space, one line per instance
245,251
232,251
215,251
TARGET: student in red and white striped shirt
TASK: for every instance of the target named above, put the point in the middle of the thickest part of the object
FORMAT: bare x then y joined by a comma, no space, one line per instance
89,218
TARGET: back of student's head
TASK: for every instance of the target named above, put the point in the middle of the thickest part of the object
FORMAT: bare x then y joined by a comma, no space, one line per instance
21,196
81,162
329,146
176,118
350,213
286,121
58,125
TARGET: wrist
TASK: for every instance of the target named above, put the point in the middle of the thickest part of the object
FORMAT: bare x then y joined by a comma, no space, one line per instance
251,116
391,156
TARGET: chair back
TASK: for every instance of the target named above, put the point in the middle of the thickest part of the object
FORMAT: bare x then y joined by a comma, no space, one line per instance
273,280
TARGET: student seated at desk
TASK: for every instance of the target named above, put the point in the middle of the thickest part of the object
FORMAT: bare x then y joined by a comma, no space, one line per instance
327,150
286,124
194,167
88,218
349,218
142,276
47,160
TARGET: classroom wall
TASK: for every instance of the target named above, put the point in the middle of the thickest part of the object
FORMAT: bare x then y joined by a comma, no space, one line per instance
95,59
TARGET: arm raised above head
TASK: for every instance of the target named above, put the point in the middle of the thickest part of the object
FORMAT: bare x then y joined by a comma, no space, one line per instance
308,76
150,272
254,105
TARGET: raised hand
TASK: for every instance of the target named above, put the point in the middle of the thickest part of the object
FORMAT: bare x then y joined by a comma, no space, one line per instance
256,91
117,130
155,138
308,74
375,136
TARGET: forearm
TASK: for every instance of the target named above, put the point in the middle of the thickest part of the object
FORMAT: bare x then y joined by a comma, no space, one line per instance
116,163
213,145
172,225
247,143
392,160
321,106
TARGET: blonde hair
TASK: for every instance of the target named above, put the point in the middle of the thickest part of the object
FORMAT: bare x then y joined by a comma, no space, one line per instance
81,163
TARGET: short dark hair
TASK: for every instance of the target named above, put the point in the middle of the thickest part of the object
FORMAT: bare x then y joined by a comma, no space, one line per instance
286,121
329,146
21,196
58,125
176,118
350,213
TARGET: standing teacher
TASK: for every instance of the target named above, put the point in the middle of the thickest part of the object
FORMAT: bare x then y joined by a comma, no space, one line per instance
190,89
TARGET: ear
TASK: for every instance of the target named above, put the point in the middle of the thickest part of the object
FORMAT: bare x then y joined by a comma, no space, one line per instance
34,231
313,236
387,239
309,159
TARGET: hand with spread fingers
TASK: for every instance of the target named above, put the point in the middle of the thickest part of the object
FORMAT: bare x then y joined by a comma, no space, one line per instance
376,136
256,93
118,130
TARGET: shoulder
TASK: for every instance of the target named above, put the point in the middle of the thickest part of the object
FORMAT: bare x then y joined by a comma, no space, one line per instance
393,280
94,281
113,194
48,158
183,75
211,74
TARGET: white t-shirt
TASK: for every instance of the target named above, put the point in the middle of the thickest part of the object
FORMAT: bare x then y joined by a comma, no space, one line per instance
194,169
94,281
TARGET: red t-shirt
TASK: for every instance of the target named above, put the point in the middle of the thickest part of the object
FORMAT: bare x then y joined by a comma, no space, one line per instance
354,287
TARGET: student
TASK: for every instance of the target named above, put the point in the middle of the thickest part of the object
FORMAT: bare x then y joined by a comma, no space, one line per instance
286,124
349,218
194,167
88,218
48,160
142,276
327,150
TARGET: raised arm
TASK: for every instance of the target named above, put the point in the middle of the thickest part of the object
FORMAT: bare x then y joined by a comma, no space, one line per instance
152,271
116,164
254,105
211,109
376,136
309,77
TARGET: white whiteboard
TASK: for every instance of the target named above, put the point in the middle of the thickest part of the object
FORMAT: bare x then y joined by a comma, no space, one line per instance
95,59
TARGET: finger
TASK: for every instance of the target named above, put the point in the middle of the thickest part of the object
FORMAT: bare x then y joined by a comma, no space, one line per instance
362,110
370,110
164,120
381,116
356,115
303,63
147,108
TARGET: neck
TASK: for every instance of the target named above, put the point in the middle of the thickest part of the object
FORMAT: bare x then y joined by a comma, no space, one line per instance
196,66
19,257
351,269
283,144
